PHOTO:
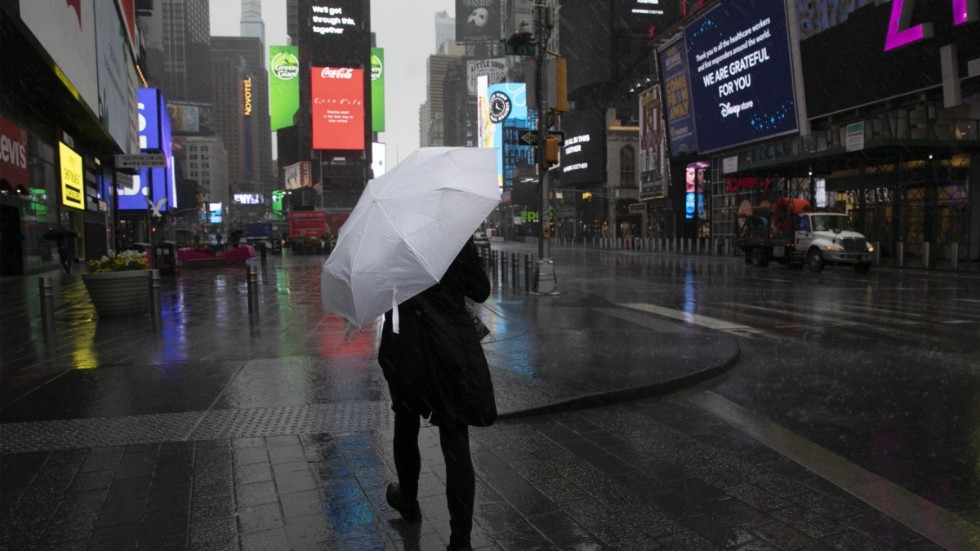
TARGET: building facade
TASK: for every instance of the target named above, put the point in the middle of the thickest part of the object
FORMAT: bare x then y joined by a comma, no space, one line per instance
241,116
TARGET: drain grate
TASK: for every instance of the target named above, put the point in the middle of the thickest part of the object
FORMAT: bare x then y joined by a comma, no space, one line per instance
195,425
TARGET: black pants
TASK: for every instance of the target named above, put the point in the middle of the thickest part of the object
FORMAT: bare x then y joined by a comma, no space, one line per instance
460,482
66,259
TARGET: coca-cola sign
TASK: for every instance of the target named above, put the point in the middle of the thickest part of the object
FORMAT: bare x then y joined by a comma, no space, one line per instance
13,153
337,98
337,72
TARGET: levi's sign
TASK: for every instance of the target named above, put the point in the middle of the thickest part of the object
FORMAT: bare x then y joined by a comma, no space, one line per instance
145,160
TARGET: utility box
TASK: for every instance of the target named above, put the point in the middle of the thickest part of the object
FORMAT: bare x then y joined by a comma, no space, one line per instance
165,258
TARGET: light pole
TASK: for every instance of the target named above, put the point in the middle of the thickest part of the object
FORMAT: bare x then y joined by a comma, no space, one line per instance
545,282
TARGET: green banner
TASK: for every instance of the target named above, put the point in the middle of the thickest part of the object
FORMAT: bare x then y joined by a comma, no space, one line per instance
283,85
377,90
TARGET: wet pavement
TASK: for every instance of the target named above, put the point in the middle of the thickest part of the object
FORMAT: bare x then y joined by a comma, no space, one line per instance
220,426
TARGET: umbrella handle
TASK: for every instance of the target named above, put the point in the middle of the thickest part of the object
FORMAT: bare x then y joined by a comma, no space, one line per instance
394,313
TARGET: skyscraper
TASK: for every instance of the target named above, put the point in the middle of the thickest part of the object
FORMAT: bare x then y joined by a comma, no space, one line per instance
240,114
445,29
252,24
176,36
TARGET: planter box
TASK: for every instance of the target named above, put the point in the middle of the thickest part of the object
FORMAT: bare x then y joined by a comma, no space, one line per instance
204,263
118,293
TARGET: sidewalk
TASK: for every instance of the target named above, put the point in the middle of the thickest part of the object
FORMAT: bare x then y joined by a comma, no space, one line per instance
216,429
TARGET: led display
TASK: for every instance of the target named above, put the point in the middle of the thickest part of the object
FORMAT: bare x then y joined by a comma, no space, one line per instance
337,97
740,74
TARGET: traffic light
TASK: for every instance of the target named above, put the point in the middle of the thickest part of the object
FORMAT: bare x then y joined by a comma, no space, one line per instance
551,150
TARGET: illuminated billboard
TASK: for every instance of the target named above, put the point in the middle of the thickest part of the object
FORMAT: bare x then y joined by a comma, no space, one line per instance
694,176
337,98
248,198
506,109
584,148
478,20
283,85
151,184
678,108
884,41
297,175
13,153
190,118
652,156
740,74
338,32
377,90
71,177
494,69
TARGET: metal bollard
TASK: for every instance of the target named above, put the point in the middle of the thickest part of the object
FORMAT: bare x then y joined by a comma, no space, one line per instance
955,261
155,311
252,283
900,254
926,256
528,271
515,266
877,246
46,293
503,266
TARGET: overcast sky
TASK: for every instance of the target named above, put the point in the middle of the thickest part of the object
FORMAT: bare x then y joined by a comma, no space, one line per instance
404,28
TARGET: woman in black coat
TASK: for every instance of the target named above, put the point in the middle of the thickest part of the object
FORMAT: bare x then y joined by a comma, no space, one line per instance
435,368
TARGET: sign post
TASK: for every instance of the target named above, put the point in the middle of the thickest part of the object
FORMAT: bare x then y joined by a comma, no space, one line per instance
546,283
143,160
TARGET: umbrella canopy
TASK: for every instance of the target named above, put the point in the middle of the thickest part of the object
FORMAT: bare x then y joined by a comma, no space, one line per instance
57,233
406,229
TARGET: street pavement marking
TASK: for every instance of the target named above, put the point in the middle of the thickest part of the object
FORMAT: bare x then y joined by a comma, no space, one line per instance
696,319
922,516
967,300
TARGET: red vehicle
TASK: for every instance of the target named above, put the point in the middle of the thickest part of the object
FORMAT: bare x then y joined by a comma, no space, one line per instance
309,232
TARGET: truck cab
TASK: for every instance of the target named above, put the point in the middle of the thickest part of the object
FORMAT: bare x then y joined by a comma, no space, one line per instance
789,232
823,238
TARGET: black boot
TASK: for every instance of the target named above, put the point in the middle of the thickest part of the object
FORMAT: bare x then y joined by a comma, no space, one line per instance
409,509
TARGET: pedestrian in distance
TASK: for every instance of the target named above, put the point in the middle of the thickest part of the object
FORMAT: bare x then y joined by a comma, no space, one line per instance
66,250
435,367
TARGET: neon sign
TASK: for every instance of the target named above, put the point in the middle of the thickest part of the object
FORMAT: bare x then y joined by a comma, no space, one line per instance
247,86
901,34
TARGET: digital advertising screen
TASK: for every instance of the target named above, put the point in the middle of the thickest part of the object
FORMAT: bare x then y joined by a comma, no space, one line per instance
506,104
13,153
283,85
694,176
740,73
583,152
154,131
214,213
882,47
678,108
338,32
377,90
71,177
478,20
652,156
337,97
248,198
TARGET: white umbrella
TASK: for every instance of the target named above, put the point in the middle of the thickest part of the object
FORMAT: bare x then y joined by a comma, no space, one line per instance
406,229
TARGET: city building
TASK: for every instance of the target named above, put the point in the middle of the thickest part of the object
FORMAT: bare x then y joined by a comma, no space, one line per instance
445,29
251,23
438,68
204,161
67,108
241,116
176,38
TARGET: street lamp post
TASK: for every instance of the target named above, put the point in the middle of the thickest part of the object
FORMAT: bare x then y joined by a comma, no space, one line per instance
545,283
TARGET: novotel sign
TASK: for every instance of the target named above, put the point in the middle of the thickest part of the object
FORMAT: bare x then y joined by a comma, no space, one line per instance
901,34
247,95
